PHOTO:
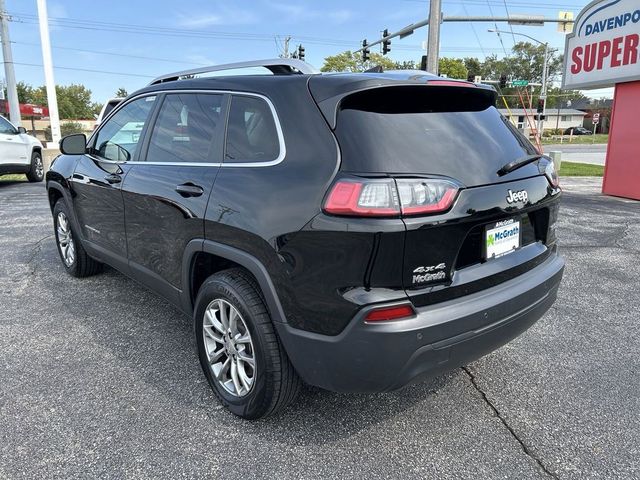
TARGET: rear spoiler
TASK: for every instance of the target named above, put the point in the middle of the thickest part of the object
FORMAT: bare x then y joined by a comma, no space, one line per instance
486,94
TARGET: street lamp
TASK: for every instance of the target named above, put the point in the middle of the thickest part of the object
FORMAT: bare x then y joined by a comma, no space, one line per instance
543,91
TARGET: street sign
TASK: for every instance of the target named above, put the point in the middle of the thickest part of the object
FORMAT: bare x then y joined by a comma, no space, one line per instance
520,83
596,118
477,79
565,27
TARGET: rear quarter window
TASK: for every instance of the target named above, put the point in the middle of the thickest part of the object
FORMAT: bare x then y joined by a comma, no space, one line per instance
252,135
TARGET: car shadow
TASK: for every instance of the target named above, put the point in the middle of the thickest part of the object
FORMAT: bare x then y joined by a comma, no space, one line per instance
136,314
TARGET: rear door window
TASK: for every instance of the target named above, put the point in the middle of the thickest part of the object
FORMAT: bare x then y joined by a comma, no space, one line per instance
252,135
189,129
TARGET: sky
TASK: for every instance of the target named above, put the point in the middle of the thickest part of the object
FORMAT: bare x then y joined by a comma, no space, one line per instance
107,44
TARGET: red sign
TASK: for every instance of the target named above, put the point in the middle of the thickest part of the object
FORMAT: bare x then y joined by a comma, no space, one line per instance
26,109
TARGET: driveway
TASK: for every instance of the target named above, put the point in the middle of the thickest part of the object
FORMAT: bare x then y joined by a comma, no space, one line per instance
98,378
595,154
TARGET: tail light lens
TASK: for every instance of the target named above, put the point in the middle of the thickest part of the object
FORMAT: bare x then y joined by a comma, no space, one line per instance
424,196
366,198
389,197
552,174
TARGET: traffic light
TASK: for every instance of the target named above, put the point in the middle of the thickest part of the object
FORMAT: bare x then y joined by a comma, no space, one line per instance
503,81
301,52
365,51
541,105
386,44
423,63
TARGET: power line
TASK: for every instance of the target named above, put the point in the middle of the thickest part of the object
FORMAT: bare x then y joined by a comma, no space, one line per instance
497,32
101,52
510,26
473,28
88,70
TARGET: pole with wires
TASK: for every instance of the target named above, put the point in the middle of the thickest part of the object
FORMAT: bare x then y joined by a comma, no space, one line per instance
52,98
543,92
433,39
10,74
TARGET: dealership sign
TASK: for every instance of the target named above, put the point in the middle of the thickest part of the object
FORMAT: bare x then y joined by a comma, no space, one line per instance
604,47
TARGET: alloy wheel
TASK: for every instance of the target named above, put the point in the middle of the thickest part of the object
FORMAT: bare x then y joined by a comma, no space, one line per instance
65,240
229,348
39,167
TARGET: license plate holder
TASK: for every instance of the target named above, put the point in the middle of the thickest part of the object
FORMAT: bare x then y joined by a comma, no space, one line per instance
502,238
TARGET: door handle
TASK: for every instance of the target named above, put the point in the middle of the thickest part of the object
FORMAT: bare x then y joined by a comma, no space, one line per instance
189,190
113,178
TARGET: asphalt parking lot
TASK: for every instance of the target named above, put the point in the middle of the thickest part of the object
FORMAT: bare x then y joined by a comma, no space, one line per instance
98,377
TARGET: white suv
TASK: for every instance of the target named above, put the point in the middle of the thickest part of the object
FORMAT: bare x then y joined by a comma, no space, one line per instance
20,152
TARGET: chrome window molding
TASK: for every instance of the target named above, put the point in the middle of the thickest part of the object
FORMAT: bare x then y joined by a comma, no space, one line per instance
282,147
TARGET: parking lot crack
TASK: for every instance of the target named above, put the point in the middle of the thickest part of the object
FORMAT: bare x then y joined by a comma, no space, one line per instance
527,451
35,249
624,234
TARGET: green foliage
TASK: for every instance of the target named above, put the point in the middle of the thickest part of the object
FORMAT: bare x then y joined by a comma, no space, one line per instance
74,101
121,93
66,128
352,62
452,68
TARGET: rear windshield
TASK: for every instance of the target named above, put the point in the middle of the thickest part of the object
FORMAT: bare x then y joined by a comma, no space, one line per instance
442,131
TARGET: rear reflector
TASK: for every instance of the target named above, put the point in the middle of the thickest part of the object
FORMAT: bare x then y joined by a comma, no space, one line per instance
390,313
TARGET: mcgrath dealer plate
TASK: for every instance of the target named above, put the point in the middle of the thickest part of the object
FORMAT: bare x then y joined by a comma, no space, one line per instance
502,238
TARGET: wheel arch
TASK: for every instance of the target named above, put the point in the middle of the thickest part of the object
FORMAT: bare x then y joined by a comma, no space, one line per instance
224,257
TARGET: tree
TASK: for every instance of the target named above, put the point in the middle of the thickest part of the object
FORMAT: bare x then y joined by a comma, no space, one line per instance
407,65
122,92
25,93
352,62
473,66
452,68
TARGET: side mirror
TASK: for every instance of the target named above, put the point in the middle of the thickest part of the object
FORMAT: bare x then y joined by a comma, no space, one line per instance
75,144
22,130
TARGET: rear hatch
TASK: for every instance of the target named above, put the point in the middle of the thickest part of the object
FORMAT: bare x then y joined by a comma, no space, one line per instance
446,141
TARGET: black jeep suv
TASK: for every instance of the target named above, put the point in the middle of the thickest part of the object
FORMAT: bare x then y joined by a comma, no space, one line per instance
357,232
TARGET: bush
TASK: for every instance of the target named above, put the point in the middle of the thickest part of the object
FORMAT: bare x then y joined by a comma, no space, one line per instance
66,128
548,132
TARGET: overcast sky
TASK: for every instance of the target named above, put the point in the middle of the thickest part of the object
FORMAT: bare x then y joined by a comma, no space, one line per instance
106,44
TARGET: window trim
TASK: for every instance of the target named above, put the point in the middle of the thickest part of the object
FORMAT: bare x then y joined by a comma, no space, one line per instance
153,117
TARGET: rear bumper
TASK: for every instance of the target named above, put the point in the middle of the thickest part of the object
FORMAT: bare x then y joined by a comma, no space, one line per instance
388,355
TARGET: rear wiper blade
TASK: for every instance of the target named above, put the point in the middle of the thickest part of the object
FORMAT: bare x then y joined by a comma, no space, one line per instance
517,163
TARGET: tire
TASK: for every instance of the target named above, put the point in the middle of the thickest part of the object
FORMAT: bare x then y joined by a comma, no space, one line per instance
79,263
274,383
36,174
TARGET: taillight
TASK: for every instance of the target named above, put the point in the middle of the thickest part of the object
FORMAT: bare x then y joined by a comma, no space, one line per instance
368,198
390,198
423,196
395,312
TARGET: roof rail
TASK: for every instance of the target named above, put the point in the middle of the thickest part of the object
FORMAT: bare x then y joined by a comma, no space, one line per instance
278,66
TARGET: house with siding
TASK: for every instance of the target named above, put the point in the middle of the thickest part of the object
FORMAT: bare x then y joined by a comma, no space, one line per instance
562,118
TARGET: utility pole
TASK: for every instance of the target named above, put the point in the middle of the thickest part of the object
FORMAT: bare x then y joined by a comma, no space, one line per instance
12,92
433,38
543,91
286,47
52,98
